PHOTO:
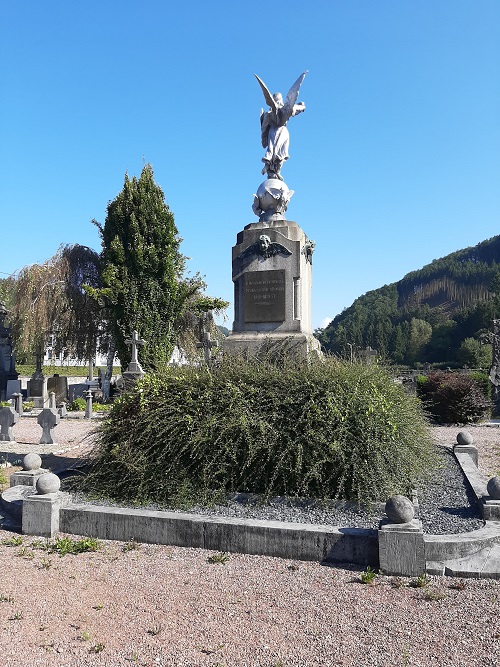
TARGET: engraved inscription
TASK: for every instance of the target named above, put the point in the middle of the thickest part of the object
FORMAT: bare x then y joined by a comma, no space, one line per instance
264,296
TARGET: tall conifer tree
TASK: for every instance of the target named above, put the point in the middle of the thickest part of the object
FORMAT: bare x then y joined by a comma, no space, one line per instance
142,272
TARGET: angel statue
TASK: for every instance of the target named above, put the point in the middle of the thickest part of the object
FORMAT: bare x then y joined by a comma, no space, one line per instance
275,137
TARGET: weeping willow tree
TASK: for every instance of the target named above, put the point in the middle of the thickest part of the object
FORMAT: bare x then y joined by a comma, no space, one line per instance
50,300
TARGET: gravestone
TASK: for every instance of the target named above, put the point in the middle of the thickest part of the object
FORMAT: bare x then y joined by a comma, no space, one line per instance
272,258
7,358
134,370
8,417
13,387
48,419
59,385
206,344
37,386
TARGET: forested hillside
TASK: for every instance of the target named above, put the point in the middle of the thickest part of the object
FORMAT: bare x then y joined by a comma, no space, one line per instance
440,314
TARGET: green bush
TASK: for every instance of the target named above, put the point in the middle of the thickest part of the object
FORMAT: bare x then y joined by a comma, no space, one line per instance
328,429
78,405
102,407
451,398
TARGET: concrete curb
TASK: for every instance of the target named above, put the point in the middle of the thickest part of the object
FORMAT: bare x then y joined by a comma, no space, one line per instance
251,536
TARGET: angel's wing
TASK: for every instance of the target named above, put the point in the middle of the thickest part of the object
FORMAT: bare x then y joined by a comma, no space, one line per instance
267,95
293,93
278,249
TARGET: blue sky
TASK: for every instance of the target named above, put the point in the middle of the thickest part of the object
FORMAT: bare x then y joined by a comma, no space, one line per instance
395,162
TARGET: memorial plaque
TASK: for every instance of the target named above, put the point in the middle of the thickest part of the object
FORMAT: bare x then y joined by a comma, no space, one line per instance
264,296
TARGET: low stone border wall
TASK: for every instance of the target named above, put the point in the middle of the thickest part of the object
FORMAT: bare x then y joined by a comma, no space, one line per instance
251,536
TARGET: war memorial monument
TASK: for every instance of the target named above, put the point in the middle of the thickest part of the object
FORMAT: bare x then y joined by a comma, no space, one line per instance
272,258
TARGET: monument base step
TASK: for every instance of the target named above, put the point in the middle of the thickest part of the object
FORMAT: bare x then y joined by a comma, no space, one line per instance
269,344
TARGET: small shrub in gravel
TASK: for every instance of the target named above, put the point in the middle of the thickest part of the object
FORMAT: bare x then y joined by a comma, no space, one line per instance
326,429
78,405
453,398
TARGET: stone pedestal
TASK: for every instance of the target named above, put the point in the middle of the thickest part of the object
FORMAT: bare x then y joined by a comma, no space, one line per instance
401,548
272,275
41,514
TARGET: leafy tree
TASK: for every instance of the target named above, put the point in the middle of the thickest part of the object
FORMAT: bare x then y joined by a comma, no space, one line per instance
49,299
420,334
142,270
474,354
7,291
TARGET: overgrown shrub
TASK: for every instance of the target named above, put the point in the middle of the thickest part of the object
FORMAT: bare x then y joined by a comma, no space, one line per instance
328,429
78,405
452,398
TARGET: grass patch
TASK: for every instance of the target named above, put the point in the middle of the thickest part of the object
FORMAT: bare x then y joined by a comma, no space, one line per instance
327,429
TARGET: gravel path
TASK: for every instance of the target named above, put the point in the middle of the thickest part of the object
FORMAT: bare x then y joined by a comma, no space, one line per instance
156,605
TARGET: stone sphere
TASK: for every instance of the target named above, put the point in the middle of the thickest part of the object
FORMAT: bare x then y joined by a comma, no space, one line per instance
32,462
464,438
493,488
399,509
48,483
273,196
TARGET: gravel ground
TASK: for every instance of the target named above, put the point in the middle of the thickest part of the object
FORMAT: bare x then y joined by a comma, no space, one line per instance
157,605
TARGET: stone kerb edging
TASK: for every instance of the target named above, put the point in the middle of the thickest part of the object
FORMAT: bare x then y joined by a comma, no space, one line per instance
252,536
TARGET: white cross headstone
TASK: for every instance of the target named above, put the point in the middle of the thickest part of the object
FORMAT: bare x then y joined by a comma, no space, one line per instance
134,365
206,344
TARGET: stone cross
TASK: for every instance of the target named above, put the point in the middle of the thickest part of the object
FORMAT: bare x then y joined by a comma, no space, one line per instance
134,365
48,419
206,345
8,417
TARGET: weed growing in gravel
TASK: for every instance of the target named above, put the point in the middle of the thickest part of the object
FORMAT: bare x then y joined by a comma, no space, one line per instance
98,606
13,541
155,630
397,582
65,545
221,558
85,636
24,552
368,576
6,598
433,596
45,563
17,616
421,582
131,545
97,648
